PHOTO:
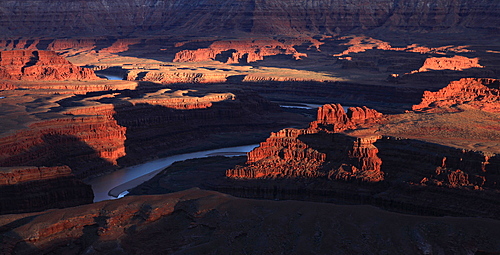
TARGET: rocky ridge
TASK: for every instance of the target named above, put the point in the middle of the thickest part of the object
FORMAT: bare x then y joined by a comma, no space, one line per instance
197,221
483,94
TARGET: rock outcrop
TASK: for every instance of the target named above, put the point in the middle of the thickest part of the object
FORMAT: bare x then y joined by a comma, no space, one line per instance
28,189
332,117
240,51
175,77
40,65
292,153
456,63
197,221
483,94
89,145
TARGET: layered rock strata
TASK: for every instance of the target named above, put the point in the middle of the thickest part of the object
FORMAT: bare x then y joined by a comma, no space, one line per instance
97,18
483,94
40,65
27,189
231,52
88,144
292,153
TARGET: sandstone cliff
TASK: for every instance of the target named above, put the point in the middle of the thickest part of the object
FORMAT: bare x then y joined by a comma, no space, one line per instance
293,153
240,51
27,189
483,94
40,65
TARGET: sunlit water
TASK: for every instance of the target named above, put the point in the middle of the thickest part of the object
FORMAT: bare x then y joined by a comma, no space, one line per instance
112,77
307,106
120,181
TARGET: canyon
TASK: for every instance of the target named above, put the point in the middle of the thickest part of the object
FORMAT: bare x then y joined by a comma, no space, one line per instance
377,124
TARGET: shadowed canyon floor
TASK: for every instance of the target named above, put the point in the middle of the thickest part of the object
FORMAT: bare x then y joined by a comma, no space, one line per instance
409,165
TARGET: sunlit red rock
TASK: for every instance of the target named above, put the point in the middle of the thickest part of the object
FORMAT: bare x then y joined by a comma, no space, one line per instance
483,94
40,65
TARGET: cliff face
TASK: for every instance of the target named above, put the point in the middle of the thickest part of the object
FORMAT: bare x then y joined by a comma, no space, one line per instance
483,94
97,18
292,153
26,189
87,144
40,65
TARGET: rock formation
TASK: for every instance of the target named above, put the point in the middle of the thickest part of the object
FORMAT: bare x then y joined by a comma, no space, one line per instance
240,51
330,160
457,63
197,221
40,65
88,144
27,189
483,94
175,77
293,153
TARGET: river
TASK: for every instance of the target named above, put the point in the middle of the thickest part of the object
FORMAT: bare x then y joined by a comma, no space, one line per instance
306,106
112,77
117,183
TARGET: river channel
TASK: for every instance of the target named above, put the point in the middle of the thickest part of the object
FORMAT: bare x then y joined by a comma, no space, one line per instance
115,184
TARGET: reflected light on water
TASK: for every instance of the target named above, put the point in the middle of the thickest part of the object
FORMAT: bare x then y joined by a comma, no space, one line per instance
127,178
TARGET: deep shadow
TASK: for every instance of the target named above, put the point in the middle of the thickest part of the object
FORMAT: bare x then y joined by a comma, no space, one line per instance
224,56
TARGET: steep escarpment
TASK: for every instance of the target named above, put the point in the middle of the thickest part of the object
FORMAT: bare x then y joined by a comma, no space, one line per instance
483,94
197,221
40,65
97,18
27,189
89,145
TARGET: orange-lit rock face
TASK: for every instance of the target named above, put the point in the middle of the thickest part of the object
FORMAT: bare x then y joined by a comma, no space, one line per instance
483,94
40,65
82,138
456,63
239,51
307,153
332,117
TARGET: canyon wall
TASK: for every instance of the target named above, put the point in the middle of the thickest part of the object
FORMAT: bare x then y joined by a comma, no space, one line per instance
97,18
40,65
27,189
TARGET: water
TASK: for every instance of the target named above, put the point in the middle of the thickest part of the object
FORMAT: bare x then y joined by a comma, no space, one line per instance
308,106
112,77
117,183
